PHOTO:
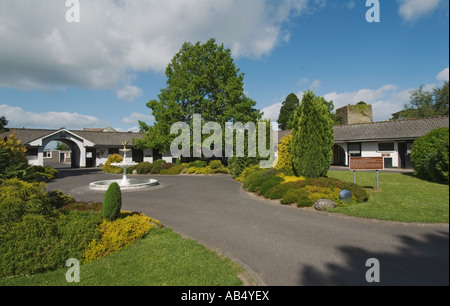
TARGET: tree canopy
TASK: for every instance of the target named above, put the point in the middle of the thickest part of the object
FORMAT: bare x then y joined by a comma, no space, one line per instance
3,124
424,103
286,112
201,79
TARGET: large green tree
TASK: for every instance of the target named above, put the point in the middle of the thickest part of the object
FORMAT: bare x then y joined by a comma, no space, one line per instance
424,103
286,112
312,137
201,79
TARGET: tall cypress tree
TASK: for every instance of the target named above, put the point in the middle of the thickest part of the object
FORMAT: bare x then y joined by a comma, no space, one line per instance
312,137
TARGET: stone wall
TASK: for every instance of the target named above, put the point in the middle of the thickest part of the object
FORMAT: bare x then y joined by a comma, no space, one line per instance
356,114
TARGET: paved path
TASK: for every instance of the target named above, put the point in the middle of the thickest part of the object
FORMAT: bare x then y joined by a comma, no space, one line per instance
283,245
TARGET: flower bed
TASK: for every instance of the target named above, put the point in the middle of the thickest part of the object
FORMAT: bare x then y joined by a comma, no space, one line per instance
279,185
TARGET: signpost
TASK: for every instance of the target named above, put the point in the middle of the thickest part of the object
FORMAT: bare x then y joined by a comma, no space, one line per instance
366,163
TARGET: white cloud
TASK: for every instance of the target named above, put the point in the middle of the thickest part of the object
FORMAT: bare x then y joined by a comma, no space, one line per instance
443,75
412,10
135,117
315,85
17,117
129,93
40,50
272,112
351,4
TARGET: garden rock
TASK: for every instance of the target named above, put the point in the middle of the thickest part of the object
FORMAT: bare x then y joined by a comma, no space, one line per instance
323,204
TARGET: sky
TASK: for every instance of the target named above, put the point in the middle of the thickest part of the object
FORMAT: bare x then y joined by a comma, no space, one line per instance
100,70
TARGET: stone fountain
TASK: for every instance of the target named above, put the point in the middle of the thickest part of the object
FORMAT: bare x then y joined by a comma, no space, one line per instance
125,183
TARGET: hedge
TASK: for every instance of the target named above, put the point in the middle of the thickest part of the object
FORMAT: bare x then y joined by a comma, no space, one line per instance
430,156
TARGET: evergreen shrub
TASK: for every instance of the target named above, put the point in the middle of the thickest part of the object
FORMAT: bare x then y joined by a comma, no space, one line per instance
112,202
430,156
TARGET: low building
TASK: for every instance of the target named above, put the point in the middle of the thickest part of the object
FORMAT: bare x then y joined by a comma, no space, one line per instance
391,140
89,148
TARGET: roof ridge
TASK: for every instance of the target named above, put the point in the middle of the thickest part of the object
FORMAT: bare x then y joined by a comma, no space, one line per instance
396,120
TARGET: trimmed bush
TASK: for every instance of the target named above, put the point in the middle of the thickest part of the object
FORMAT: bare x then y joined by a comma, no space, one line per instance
118,234
278,191
296,196
112,202
237,165
166,166
115,158
269,183
430,155
173,170
200,170
144,168
18,198
248,171
215,164
303,192
197,164
34,236
284,154
58,199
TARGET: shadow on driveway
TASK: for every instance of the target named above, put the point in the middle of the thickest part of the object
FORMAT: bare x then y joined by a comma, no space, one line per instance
416,263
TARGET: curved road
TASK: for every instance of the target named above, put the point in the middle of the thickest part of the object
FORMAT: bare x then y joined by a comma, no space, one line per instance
282,245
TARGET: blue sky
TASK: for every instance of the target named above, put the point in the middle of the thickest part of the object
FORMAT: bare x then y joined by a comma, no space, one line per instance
104,69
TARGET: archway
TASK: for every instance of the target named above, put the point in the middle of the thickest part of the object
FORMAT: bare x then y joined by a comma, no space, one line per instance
59,154
76,144
339,155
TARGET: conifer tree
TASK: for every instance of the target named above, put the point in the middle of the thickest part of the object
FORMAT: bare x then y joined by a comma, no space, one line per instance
312,137
287,109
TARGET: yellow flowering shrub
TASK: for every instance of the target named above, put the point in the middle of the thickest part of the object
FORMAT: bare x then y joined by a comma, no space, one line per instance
115,235
284,154
290,178
316,193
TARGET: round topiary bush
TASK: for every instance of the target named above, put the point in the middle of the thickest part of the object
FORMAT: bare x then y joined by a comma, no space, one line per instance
112,202
430,155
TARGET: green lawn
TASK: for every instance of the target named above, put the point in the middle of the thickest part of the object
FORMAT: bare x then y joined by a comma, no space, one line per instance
162,258
401,197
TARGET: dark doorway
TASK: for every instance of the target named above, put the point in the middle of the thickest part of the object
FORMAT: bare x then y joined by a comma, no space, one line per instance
156,155
138,156
90,157
404,154
339,156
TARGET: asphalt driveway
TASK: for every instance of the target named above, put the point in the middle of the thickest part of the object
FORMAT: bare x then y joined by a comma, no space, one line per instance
282,245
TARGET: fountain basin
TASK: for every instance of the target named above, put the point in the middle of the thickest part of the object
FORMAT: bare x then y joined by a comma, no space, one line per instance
131,184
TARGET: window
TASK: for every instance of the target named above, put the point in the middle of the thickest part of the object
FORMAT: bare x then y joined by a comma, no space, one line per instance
112,151
47,154
32,151
354,149
386,147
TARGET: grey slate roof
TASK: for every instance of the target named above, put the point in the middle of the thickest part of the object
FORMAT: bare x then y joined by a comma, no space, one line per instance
389,130
111,139
408,129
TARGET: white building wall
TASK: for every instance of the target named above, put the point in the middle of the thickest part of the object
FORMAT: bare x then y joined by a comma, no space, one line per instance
148,156
370,149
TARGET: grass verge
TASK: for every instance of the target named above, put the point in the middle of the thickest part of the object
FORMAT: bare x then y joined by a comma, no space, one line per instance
161,258
401,197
